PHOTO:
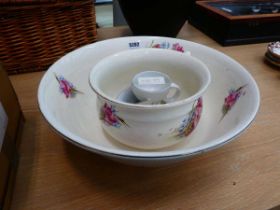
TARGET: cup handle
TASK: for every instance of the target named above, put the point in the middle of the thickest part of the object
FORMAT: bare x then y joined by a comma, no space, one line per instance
175,95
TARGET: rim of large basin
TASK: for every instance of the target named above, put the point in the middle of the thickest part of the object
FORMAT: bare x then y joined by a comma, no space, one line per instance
91,146
187,100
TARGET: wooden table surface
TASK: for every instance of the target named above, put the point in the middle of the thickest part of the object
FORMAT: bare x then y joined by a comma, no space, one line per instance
244,174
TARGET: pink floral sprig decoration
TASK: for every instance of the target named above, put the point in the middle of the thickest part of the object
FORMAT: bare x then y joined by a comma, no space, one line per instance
167,45
232,98
178,47
190,123
163,45
109,116
66,87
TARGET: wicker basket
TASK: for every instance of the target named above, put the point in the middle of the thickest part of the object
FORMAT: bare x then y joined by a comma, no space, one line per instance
35,33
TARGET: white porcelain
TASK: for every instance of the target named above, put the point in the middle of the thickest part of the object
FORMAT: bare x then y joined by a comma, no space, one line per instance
154,87
149,126
75,117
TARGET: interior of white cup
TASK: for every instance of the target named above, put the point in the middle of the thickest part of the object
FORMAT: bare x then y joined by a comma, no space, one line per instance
114,74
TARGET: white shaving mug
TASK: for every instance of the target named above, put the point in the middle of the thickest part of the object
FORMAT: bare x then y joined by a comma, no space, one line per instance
154,87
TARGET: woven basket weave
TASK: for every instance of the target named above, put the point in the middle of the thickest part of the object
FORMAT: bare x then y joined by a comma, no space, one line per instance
34,34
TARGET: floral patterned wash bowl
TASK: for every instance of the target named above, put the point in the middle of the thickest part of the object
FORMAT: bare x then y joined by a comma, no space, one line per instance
68,103
149,126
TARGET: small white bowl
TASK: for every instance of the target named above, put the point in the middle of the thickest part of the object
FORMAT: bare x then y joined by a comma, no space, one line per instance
149,126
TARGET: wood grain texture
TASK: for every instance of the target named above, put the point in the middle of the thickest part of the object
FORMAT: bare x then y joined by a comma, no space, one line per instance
54,174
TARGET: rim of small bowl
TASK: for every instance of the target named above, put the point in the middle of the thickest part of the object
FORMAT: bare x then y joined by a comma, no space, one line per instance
187,100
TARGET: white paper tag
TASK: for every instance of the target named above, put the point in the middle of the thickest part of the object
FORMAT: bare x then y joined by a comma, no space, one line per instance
151,81
3,124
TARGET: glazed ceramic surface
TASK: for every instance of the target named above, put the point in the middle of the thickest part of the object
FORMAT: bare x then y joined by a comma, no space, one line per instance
67,101
149,126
